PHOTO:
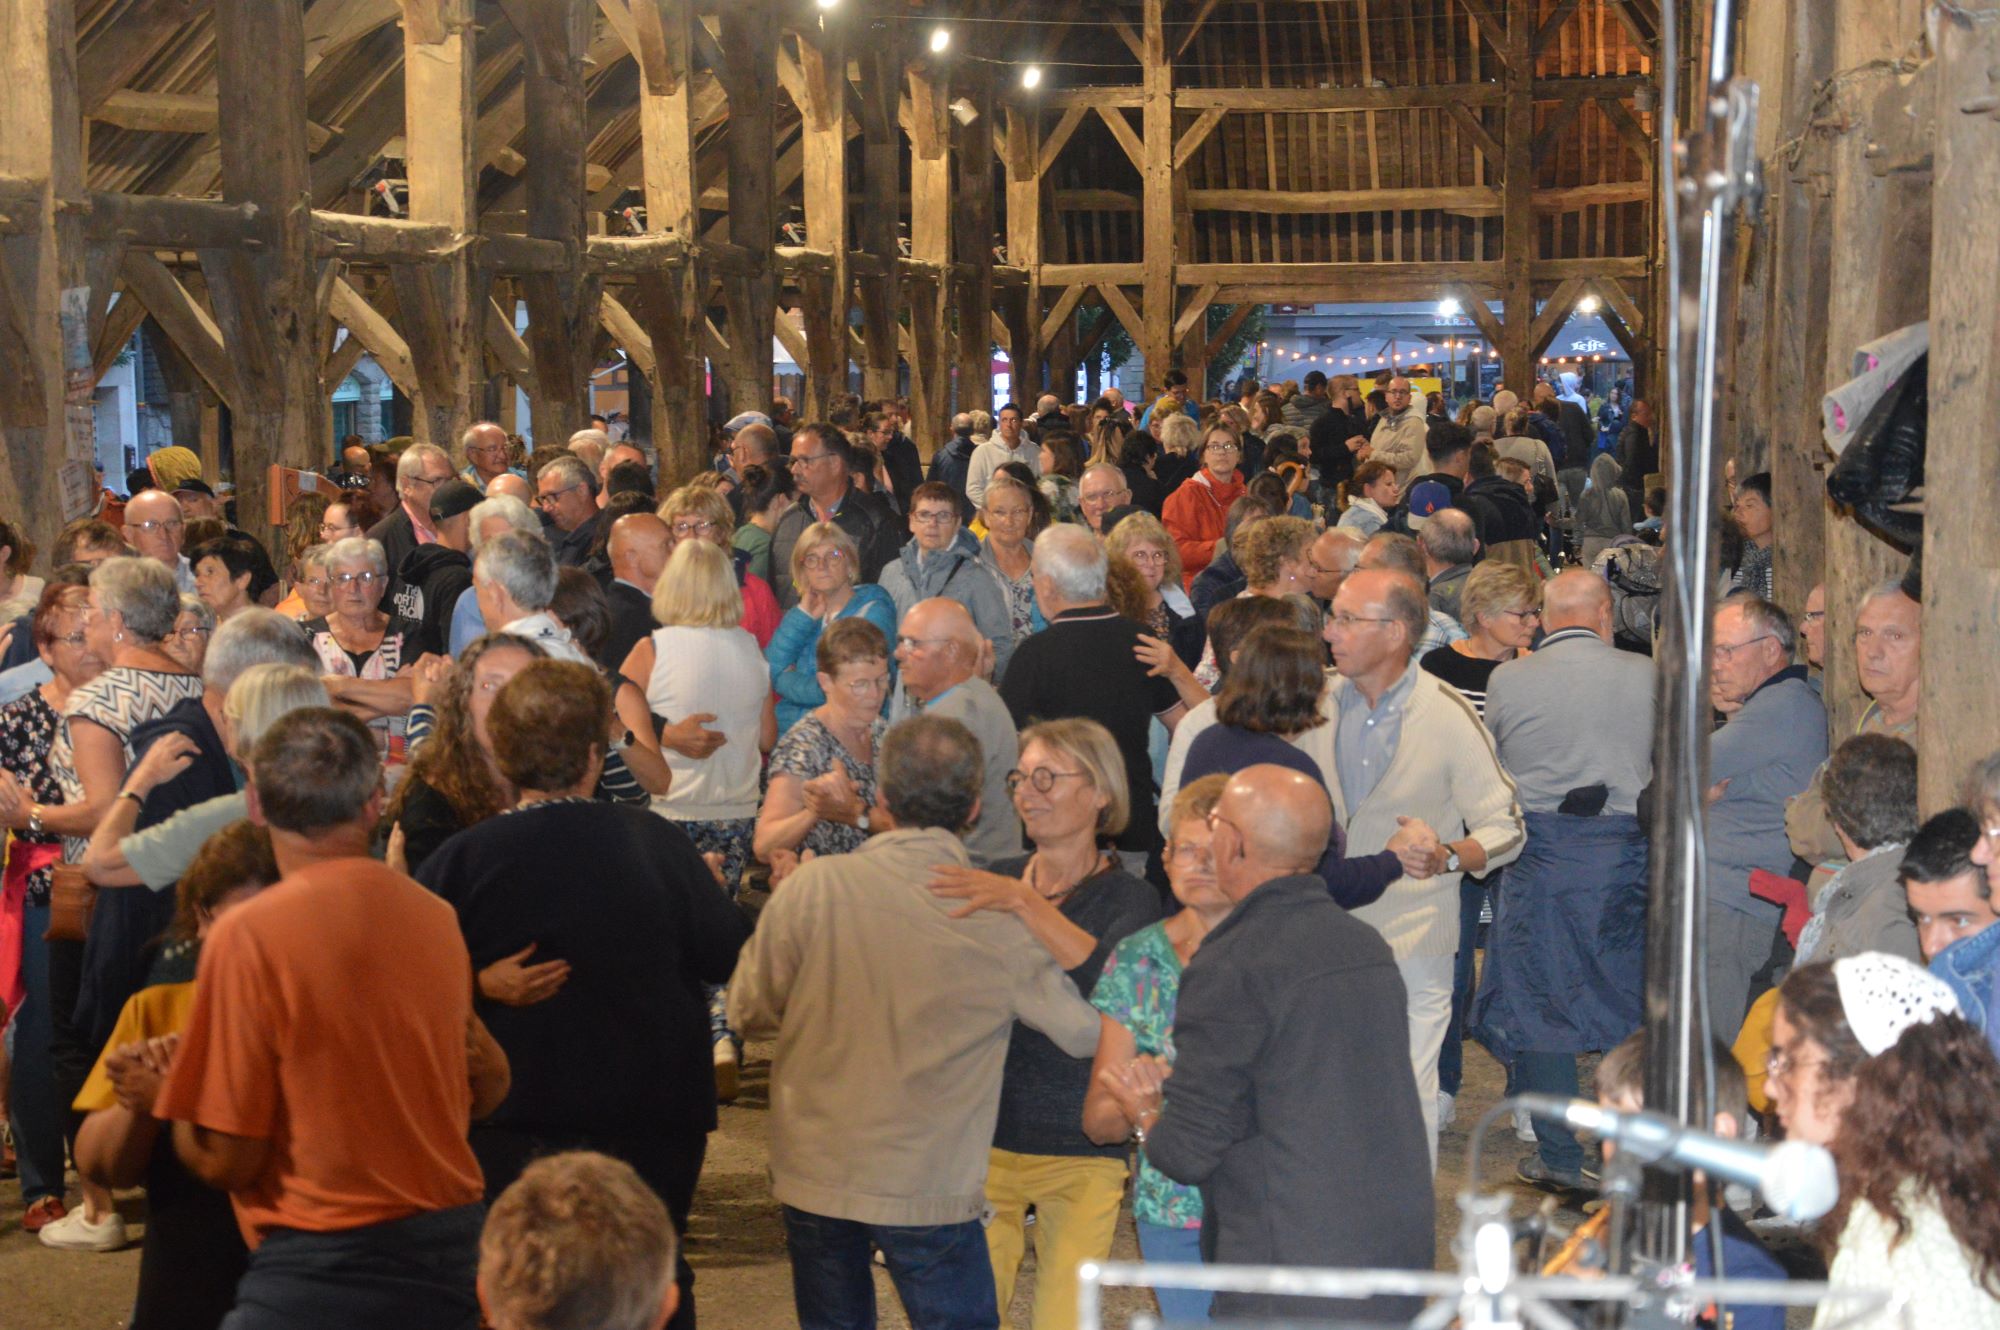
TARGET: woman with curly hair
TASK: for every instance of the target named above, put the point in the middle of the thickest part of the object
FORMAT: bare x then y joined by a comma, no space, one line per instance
1871,1058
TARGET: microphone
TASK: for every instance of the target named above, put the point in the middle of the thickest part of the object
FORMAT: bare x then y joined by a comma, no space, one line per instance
1796,1179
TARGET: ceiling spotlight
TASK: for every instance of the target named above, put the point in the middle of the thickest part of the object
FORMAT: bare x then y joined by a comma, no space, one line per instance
828,4
940,39
1031,77
1449,308
1587,305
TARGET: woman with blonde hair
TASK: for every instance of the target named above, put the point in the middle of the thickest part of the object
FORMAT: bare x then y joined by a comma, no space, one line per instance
1073,896
1012,512
1168,613
701,510
1500,608
825,565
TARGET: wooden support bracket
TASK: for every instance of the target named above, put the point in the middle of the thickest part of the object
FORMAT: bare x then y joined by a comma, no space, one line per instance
1128,138
192,328
1554,314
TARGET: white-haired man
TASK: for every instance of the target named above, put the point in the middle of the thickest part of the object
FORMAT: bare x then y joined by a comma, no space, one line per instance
421,469
485,449
514,577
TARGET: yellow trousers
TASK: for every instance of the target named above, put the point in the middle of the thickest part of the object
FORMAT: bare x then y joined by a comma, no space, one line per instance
1076,1200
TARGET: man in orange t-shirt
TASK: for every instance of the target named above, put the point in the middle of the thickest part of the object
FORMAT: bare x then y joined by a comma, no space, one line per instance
331,1065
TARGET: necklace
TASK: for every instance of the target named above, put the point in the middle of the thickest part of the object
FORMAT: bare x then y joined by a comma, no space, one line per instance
1035,874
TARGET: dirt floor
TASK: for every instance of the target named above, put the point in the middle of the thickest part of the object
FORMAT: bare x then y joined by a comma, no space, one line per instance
737,1239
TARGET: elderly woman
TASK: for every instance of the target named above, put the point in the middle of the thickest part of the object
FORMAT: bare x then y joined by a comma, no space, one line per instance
702,662
618,1062
701,511
28,729
1276,556
1139,990
1074,898
1009,513
1500,608
193,626
825,563
1872,1059
132,608
1180,456
1168,615
1264,713
231,574
362,647
312,592
822,773
1604,513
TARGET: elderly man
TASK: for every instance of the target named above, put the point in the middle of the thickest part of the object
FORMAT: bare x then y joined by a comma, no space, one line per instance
1291,1104
1888,647
1767,753
512,485
638,546
345,984
588,446
485,449
1401,433
1102,488
566,492
1085,663
1449,544
1565,957
1009,443
514,577
154,528
419,471
1812,627
1334,554
938,654
754,444
493,517
941,559
1388,551
827,493
1407,744
433,577
879,1139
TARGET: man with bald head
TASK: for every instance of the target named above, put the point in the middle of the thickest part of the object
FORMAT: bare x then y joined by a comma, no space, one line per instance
638,548
941,659
1292,1103
485,448
1102,489
1332,556
614,456
155,528
511,484
753,445
1565,957
1408,745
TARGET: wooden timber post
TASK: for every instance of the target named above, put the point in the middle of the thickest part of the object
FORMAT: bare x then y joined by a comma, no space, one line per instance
562,306
443,301
880,89
1024,248
1155,335
749,76
1956,721
671,301
1881,280
1517,204
270,302
824,286
1800,222
972,244
930,252
41,162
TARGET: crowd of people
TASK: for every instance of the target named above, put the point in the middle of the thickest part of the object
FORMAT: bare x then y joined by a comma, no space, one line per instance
1127,802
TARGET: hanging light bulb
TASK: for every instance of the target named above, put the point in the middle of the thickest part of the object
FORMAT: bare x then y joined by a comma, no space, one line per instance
1587,305
1031,77
940,39
828,4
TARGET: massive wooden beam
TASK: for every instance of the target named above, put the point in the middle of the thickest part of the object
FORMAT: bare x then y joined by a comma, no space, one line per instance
878,90
1348,98
1957,723
972,243
44,337
1156,109
930,243
1024,247
749,44
1517,224
824,295
372,329
562,306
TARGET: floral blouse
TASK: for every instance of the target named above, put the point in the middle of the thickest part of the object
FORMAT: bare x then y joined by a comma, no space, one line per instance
1020,593
1140,987
27,735
809,749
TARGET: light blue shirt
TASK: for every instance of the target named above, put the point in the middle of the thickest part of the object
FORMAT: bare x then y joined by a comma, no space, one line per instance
1365,737
468,625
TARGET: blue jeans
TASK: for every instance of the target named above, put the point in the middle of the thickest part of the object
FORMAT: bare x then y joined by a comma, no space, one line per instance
35,1106
1551,1073
941,1272
1451,1058
1175,1246
417,1271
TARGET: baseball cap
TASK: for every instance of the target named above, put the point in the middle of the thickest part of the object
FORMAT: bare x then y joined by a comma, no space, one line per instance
742,418
195,485
1427,499
452,498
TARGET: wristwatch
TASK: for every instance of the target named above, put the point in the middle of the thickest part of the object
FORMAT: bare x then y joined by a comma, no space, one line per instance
1451,863
625,741
863,822
34,819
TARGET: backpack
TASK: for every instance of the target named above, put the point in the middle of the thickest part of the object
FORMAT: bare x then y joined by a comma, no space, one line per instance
1633,573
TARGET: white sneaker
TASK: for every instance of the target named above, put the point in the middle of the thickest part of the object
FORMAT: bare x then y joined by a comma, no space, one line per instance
1447,1109
75,1232
1524,1126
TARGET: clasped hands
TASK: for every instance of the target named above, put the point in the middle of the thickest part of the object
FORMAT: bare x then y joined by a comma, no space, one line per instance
1418,848
137,1070
1137,1087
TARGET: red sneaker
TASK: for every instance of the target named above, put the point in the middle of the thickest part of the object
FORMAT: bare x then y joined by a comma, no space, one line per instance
44,1210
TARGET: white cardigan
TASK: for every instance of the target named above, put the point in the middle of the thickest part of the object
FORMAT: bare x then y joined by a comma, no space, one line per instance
1446,772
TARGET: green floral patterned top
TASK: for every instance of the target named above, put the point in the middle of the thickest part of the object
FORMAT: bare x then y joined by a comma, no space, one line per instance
1141,984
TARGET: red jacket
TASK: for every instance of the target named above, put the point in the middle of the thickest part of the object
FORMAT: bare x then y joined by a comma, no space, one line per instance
1196,515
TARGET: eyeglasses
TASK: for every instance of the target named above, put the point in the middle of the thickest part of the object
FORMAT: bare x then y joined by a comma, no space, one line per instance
823,559
1042,778
192,633
547,500
1780,1064
1216,819
316,583
345,580
876,683
1346,621
700,528
1725,651
1395,392
432,481
797,460
1222,449
327,528
70,639
1812,616
1186,854
942,517
1523,615
158,524
487,450
912,643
